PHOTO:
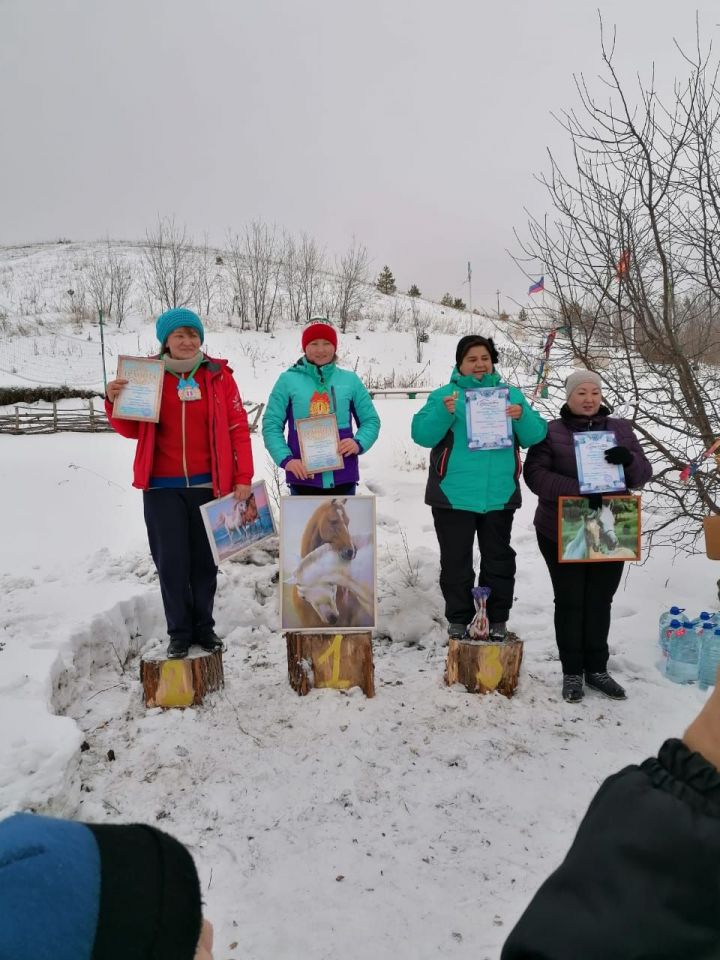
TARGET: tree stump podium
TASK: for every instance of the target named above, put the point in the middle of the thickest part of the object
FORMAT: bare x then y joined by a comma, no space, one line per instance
483,667
336,660
181,683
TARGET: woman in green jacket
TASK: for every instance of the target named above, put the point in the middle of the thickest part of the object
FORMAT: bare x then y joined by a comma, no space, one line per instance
474,492
313,386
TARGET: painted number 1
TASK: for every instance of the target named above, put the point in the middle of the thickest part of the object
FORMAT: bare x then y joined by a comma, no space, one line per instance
333,650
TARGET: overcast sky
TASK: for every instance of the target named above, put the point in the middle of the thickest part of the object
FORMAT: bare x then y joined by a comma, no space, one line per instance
415,125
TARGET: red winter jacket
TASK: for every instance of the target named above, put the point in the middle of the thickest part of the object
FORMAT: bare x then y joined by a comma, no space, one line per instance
228,433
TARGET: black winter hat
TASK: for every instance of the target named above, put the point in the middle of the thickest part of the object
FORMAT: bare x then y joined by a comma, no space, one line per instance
150,903
465,344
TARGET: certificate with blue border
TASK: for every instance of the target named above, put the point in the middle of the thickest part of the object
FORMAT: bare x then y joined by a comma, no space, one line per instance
319,441
140,398
488,425
595,474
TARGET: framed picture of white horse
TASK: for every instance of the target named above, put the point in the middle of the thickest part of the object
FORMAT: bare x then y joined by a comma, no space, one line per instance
596,536
328,564
234,525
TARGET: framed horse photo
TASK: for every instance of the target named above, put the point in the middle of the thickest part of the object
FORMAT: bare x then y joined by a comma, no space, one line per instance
328,564
596,536
234,525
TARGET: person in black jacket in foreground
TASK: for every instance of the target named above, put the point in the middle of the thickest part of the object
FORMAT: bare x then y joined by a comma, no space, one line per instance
642,878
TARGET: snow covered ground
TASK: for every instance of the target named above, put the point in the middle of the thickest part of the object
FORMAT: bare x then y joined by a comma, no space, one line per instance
416,824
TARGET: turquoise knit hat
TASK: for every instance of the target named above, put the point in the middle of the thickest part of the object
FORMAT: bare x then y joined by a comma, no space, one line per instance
178,317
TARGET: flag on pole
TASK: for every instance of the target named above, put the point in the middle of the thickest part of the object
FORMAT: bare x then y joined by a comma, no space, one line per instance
623,264
537,287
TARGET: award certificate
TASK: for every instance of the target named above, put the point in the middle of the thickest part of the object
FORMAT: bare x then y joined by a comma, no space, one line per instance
488,425
140,398
319,441
595,474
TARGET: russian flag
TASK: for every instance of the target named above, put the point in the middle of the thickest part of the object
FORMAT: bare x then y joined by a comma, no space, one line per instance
538,287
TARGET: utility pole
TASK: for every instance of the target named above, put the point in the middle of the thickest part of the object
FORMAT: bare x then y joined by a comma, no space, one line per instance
469,287
497,292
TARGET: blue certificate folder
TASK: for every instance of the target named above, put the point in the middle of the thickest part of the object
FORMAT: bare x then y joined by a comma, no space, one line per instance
595,474
488,425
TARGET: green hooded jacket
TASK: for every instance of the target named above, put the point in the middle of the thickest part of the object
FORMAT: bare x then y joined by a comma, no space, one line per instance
464,479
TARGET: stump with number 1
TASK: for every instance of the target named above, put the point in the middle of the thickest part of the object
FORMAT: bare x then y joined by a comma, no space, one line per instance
336,660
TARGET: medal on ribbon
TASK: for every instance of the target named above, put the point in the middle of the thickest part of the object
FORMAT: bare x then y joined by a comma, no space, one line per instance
188,389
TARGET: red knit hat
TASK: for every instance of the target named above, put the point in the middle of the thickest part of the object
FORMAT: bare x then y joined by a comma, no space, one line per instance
319,329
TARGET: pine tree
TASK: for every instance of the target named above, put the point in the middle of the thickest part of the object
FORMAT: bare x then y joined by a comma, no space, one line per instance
414,291
459,304
447,300
386,281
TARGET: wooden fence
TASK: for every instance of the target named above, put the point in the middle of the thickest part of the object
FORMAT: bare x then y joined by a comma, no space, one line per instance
86,419
410,392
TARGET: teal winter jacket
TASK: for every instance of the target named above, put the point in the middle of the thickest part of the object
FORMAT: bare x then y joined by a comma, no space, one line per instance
464,479
307,390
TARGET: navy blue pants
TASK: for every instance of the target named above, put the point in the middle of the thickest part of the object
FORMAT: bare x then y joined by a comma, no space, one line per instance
456,532
184,560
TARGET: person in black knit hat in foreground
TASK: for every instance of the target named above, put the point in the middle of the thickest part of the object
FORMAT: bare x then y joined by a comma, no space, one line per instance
76,891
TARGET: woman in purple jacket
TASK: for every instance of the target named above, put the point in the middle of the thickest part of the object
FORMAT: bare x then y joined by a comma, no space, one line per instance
583,591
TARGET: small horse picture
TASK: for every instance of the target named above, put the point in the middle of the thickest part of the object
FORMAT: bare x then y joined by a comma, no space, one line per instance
234,525
327,563
591,536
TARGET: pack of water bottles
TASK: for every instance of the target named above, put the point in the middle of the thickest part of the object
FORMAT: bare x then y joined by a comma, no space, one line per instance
690,648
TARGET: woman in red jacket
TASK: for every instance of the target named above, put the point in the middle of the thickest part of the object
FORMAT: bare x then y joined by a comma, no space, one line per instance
199,450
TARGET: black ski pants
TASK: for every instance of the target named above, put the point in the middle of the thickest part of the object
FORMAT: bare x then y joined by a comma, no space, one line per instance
456,532
583,597
185,565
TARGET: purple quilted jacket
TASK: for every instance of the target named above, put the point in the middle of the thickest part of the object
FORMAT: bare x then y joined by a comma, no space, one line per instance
550,467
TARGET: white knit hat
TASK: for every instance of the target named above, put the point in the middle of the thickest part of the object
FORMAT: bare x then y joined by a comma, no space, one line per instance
581,376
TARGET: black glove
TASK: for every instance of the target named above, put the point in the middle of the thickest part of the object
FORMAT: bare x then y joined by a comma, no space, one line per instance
619,456
594,500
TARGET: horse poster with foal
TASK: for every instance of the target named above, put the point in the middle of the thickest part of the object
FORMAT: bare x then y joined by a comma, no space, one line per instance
595,536
327,564
234,525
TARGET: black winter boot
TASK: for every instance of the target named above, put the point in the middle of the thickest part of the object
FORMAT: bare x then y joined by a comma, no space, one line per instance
177,650
604,683
572,688
210,642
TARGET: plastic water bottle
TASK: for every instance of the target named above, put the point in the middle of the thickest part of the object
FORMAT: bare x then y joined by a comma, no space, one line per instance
674,613
705,619
703,629
669,632
709,659
683,656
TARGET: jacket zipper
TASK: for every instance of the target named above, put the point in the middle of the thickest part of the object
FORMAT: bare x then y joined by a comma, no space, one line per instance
184,457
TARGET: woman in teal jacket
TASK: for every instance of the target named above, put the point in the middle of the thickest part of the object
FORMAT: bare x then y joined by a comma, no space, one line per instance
474,492
311,387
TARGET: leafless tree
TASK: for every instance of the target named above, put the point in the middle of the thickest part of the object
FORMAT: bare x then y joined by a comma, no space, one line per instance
208,280
421,326
352,277
122,285
263,258
312,274
632,260
238,277
169,265
109,282
291,275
